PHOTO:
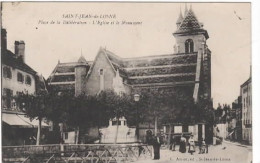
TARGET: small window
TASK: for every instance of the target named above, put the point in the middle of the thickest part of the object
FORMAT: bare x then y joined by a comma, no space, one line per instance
101,72
7,72
20,77
28,80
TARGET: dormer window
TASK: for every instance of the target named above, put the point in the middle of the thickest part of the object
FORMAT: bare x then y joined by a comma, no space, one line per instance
189,46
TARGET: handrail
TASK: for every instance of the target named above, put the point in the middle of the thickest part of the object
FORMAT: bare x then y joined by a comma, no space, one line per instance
93,152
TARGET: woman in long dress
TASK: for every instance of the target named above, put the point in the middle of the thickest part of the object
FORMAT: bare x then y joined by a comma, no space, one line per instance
191,145
182,148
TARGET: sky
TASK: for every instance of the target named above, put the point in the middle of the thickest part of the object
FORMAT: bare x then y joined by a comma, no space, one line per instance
228,26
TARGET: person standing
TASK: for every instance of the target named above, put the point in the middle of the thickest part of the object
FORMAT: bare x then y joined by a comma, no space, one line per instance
173,143
156,147
191,145
182,148
203,147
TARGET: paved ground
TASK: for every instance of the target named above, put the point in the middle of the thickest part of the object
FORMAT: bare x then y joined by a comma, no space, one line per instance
226,153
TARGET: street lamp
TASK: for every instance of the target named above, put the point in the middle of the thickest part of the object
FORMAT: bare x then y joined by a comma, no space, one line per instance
136,99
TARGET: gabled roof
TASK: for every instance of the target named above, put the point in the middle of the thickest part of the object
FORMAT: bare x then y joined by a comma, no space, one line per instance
10,59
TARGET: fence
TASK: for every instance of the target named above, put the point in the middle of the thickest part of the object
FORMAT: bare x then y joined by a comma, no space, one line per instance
88,153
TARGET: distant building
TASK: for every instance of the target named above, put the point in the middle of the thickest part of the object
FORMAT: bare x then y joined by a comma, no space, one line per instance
17,77
237,107
187,70
69,77
246,95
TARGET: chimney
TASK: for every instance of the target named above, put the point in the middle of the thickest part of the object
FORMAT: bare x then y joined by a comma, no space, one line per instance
3,39
19,47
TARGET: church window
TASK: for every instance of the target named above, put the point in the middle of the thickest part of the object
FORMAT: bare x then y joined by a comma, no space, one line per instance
101,72
101,83
189,46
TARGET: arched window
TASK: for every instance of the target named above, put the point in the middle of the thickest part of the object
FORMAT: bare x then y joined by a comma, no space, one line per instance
28,80
189,46
7,72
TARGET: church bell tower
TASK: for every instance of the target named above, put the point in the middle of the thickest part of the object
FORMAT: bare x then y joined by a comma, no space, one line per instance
191,38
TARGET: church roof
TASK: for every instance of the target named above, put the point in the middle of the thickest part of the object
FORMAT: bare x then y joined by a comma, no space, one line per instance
82,59
190,22
158,69
63,76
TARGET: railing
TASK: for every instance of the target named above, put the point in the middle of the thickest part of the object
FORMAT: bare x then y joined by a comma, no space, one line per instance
93,153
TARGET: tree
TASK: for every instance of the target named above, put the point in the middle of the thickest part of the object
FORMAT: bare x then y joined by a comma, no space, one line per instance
35,107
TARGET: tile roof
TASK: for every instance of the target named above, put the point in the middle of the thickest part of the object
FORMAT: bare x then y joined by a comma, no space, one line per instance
10,59
190,24
170,68
65,72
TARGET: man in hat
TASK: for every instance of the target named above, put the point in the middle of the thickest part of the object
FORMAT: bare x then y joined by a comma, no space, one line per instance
156,146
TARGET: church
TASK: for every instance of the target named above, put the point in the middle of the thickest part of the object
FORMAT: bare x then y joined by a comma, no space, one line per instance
187,69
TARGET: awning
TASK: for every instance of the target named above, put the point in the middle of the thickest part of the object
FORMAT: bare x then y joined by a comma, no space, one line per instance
20,120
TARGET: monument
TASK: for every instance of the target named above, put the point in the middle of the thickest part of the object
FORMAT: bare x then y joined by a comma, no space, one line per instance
118,133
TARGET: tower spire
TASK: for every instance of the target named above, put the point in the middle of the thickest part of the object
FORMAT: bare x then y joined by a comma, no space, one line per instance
186,10
180,19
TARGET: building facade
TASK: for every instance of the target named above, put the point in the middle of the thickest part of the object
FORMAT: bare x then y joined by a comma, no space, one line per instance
237,107
246,95
17,77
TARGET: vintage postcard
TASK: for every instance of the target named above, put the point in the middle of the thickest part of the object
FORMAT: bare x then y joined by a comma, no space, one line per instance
126,82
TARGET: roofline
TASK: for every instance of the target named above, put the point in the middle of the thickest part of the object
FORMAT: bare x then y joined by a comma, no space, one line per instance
171,84
32,72
192,32
159,56
246,82
160,66
164,75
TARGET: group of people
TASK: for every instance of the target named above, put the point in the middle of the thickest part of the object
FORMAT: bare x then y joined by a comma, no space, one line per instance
157,141
203,148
